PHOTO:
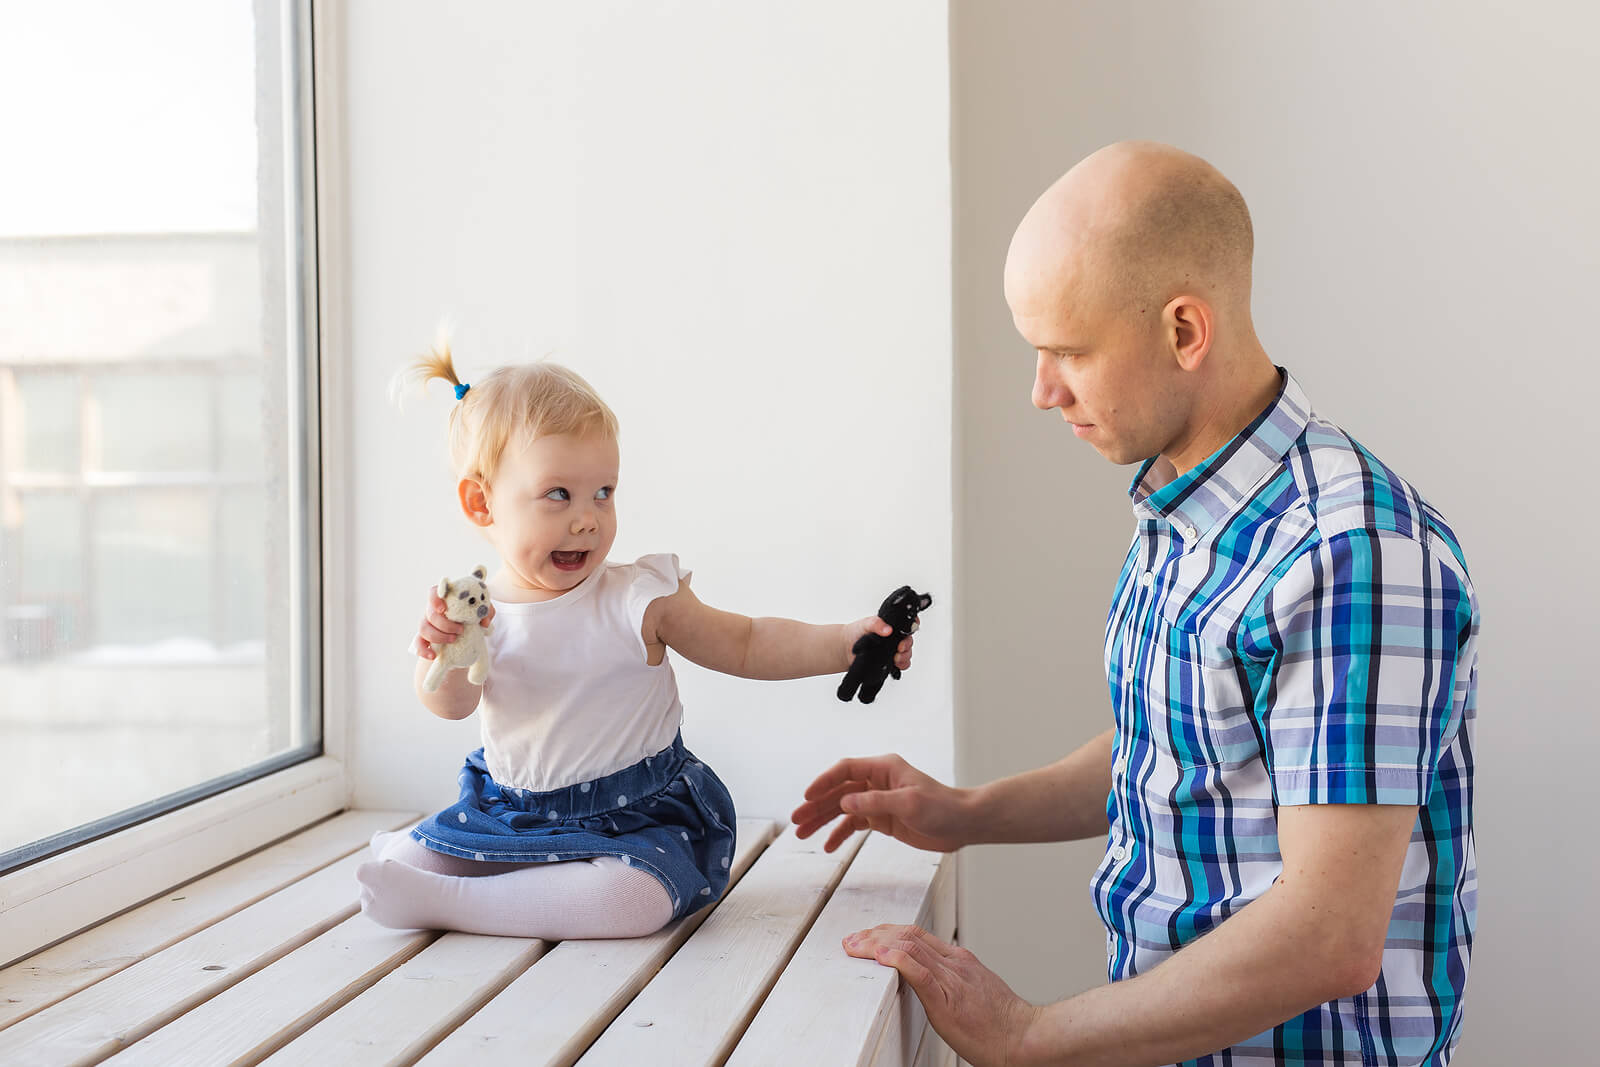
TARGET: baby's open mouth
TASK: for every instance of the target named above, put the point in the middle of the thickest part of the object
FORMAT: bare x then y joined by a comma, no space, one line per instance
569,561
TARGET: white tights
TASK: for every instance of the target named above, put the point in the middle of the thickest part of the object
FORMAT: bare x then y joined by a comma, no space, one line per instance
409,887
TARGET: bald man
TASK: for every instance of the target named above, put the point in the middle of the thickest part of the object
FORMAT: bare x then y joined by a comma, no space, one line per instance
1289,875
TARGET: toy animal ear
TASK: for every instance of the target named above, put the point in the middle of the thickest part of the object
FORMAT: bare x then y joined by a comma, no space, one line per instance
444,588
927,601
480,572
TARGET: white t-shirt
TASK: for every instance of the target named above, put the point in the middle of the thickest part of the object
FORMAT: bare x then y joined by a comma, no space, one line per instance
569,696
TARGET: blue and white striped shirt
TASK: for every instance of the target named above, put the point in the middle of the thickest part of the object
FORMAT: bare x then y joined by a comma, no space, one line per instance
1294,624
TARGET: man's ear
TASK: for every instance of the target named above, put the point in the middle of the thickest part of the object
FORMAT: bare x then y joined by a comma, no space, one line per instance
1189,325
474,501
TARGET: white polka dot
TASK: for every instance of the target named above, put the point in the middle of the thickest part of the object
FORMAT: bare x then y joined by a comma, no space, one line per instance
551,857
621,800
461,816
552,814
660,849
647,761
479,856
724,863
628,860
684,834
584,788
706,891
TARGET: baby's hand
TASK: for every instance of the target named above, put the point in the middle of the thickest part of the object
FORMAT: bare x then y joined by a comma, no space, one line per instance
439,629
854,631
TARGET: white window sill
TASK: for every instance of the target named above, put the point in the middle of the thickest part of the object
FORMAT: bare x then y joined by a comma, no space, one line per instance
49,900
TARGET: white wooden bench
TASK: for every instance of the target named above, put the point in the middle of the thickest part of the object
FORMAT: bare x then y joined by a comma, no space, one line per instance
267,960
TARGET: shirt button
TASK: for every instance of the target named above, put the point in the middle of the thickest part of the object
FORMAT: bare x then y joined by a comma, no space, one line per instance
1146,578
1188,532
1118,853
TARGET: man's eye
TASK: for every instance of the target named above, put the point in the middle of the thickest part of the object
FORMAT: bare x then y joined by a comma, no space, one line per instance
605,494
556,494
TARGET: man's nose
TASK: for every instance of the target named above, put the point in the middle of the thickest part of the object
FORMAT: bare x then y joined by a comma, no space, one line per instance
1048,390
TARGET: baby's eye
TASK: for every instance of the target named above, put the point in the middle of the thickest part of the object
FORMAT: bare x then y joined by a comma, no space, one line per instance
557,494
605,494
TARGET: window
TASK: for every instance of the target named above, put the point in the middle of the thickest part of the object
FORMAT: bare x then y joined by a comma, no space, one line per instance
158,564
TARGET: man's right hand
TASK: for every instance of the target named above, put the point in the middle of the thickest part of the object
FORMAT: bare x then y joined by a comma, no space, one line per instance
887,794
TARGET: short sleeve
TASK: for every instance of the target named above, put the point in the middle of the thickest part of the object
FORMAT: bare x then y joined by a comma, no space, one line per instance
1372,638
654,576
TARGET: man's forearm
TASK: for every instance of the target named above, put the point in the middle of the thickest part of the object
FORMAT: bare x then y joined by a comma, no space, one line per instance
1270,962
1064,801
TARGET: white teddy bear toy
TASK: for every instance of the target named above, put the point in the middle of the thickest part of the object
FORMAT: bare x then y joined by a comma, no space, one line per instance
465,600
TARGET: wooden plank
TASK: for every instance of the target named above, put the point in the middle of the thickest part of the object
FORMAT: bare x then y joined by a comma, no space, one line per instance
277,1004
833,1005
417,1006
116,1012
580,986
901,1028
697,1008
101,951
49,900
934,1052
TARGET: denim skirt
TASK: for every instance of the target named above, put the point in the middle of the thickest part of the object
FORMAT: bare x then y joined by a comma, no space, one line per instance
668,814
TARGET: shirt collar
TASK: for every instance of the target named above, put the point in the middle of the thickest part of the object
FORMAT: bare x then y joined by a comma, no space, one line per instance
1196,500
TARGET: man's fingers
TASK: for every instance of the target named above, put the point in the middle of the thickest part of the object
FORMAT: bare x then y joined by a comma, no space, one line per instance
935,945
842,832
876,802
916,965
871,769
826,807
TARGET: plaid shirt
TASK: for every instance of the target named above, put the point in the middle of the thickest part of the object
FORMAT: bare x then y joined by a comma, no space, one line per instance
1294,624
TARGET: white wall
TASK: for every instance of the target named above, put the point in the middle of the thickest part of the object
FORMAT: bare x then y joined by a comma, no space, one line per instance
733,219
1423,181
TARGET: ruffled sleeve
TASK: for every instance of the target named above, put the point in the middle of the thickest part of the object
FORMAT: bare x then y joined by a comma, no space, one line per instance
654,576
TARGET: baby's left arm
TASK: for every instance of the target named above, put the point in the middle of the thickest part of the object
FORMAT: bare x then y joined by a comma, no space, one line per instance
767,648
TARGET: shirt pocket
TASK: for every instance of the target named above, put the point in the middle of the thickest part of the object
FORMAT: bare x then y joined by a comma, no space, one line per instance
1197,702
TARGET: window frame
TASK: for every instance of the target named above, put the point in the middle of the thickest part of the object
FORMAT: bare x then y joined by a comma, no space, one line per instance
56,896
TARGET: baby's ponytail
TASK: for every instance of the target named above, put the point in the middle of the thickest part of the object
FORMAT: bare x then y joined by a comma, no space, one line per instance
531,399
436,363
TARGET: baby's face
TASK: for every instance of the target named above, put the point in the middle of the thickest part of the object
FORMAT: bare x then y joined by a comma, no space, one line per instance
552,513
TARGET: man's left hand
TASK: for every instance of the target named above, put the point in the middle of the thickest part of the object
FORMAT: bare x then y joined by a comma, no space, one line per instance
969,1005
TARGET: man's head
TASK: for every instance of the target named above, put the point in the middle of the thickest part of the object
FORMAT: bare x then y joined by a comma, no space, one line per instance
1130,277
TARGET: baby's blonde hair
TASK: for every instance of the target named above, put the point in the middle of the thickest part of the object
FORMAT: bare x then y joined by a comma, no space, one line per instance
518,401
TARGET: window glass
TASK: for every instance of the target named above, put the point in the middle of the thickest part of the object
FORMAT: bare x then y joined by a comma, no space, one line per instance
47,414
157,411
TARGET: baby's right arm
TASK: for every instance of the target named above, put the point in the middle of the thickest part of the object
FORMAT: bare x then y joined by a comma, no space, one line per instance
456,698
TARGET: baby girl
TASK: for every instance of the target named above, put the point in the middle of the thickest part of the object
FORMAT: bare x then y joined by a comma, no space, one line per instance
583,815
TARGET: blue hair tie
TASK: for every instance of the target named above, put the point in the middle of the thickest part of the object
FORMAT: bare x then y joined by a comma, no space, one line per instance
461,390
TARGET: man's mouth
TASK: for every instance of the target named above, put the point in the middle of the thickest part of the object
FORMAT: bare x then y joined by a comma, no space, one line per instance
569,561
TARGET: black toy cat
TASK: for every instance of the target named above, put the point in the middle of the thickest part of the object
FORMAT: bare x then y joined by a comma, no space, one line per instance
875,653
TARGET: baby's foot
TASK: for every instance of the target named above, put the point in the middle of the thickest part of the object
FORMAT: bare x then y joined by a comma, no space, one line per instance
405,898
